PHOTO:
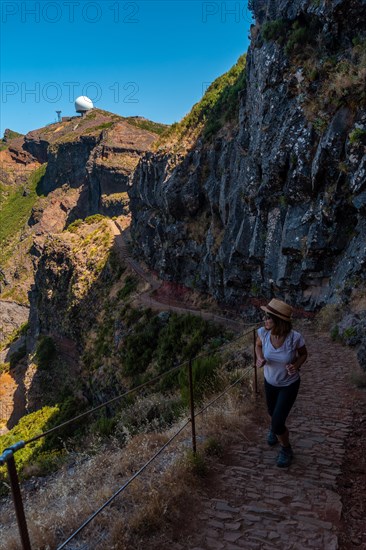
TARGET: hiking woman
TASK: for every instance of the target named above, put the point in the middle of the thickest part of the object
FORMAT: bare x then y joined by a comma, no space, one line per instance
281,351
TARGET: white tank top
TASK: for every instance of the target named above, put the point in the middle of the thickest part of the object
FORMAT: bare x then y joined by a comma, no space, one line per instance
276,359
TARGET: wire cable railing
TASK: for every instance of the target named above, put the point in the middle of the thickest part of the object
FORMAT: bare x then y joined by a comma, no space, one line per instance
7,457
132,390
136,474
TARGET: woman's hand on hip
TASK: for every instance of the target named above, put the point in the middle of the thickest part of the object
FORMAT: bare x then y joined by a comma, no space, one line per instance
291,368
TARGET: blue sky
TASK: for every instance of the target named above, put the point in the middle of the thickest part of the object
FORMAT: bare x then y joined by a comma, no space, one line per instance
151,58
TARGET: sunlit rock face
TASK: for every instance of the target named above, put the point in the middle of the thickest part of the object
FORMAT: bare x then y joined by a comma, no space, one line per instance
277,205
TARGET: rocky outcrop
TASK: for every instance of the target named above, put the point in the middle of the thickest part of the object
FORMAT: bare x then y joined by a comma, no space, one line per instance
67,162
36,146
279,206
12,316
96,153
9,135
71,273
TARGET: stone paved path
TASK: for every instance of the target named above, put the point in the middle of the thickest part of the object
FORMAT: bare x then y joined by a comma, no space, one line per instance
255,504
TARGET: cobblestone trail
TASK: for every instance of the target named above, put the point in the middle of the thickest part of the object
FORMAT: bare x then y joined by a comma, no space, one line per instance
255,504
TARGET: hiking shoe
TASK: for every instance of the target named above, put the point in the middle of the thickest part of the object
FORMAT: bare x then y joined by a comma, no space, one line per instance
285,457
271,438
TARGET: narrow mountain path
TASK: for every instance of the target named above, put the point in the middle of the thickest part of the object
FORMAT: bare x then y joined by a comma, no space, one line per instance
253,504
147,299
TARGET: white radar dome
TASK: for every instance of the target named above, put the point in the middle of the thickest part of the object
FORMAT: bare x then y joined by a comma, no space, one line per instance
83,104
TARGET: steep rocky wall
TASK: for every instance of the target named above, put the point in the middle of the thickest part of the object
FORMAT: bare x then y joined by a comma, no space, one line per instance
67,163
37,147
96,153
279,208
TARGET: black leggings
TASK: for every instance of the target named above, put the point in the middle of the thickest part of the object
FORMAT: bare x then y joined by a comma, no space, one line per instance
279,404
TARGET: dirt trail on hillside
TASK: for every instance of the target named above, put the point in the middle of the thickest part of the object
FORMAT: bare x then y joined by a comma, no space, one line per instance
149,300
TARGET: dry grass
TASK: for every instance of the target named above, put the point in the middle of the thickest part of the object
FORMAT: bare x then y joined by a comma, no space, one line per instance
327,317
358,299
153,505
341,81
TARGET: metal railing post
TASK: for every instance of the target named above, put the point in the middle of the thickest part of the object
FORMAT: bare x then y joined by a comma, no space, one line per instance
191,396
18,502
255,364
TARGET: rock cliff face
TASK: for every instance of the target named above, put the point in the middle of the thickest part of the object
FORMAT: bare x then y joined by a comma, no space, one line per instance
279,206
96,153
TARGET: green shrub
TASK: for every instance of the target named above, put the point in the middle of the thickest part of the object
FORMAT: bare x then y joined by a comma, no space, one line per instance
129,287
153,412
274,30
140,346
183,337
349,332
320,124
218,105
94,218
11,134
357,136
4,367
69,408
149,125
28,427
20,331
195,463
45,453
73,227
213,447
17,207
297,39
205,378
165,344
103,126
45,352
104,426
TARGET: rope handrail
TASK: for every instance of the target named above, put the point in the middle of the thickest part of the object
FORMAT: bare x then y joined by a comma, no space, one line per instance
105,404
8,454
136,474
123,487
128,392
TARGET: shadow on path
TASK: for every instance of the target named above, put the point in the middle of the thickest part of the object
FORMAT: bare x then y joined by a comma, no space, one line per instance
253,504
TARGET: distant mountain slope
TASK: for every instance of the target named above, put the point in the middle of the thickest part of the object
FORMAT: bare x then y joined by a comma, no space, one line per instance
56,174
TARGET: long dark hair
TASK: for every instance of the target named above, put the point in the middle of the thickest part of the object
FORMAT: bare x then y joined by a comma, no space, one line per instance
280,327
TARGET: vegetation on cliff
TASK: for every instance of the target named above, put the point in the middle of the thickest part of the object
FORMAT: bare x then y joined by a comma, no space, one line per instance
15,209
218,106
149,125
8,136
332,72
94,344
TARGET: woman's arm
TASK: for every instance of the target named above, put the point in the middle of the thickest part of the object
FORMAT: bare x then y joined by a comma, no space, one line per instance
302,356
259,353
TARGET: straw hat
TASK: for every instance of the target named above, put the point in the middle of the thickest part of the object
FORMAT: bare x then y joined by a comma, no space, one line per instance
278,309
